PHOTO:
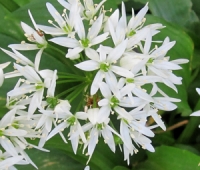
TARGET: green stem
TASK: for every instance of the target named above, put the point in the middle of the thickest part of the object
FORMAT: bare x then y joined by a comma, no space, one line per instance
95,101
67,81
66,91
76,92
72,77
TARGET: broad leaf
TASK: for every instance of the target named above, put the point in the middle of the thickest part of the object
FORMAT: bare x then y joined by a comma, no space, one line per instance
175,11
168,158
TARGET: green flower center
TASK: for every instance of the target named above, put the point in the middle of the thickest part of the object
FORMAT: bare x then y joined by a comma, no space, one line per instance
104,67
117,140
125,121
150,61
131,33
15,125
114,101
100,126
1,133
13,102
41,45
130,80
39,86
85,42
71,120
52,101
67,29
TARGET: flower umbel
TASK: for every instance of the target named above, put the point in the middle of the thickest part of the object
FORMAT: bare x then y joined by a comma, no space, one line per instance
110,90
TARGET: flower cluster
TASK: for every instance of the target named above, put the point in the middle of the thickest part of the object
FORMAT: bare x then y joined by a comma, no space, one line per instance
119,83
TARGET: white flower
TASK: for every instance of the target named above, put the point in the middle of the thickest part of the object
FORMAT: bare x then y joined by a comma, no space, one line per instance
85,42
33,36
112,101
7,161
106,64
90,9
98,126
20,58
33,84
69,120
66,23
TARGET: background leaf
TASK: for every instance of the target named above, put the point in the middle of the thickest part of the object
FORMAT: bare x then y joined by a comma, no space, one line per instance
168,158
175,11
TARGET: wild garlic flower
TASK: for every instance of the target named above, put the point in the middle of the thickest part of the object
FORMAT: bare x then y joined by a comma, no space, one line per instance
7,161
65,23
84,42
114,61
35,36
98,126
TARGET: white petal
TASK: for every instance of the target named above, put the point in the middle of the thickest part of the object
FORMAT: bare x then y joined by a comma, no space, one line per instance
104,114
93,141
105,90
1,77
72,53
89,65
27,29
117,52
141,94
121,71
95,84
108,137
37,59
197,113
92,54
96,26
166,65
8,162
198,90
57,129
65,42
35,102
8,146
79,27
99,39
65,4
104,102
15,132
24,46
54,13
51,30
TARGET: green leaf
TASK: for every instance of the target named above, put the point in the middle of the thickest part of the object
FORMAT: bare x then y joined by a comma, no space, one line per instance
9,27
188,148
168,158
22,2
9,5
182,49
102,158
55,159
120,168
196,7
165,138
175,11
